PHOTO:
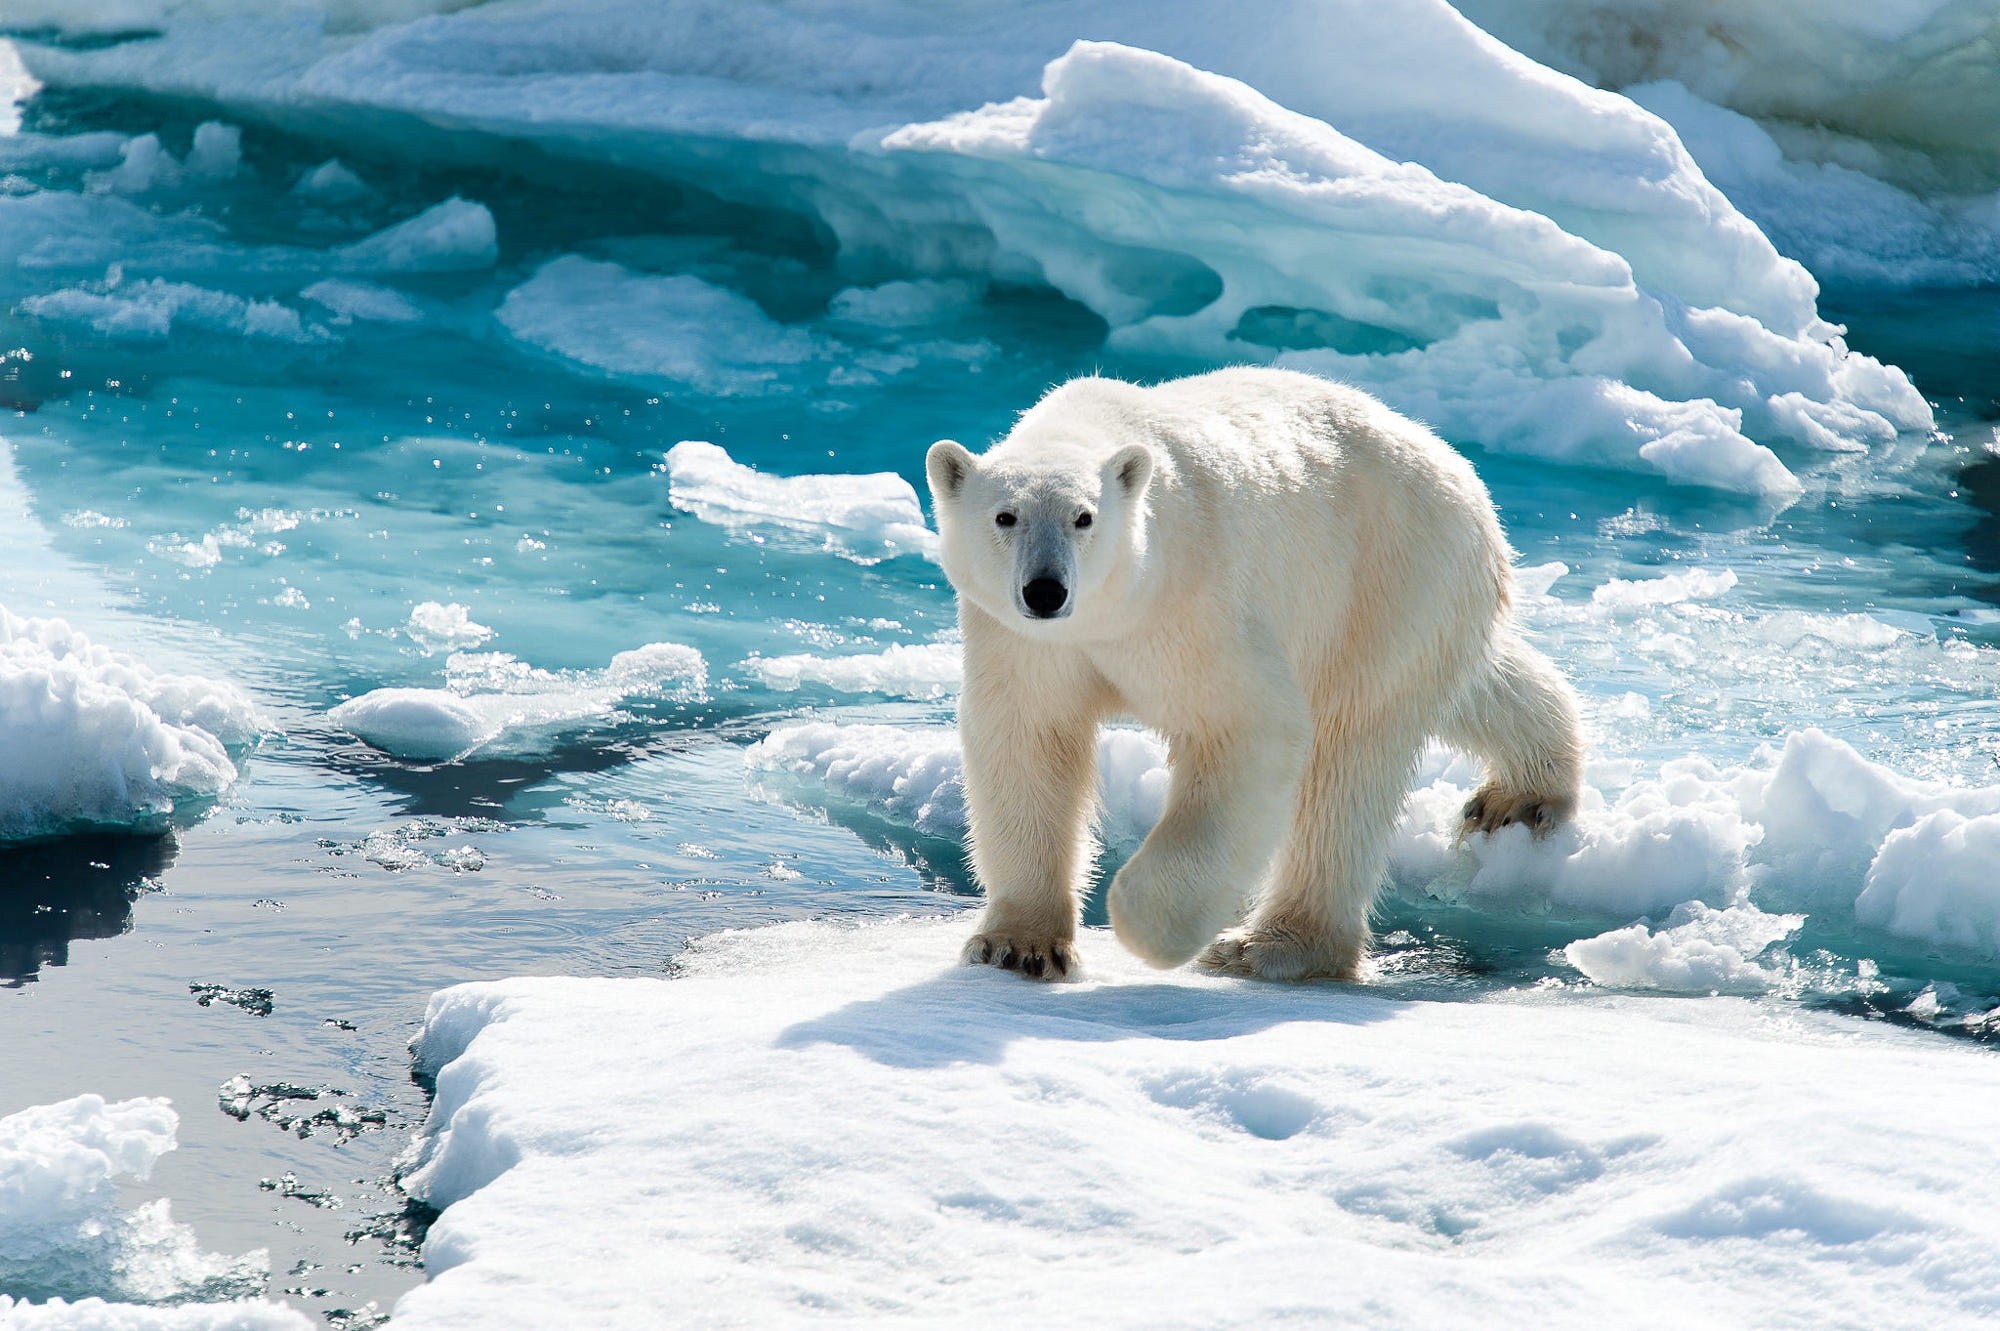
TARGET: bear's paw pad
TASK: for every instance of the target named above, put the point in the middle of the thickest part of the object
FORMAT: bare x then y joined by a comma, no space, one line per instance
1036,958
1280,954
1492,808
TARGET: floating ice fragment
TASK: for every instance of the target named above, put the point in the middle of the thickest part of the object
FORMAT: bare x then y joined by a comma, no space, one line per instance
452,236
864,518
1699,949
1620,594
908,670
436,627
363,300
96,738
62,1234
332,182
495,702
153,308
679,328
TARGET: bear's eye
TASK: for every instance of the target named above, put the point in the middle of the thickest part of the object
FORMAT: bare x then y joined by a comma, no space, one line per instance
1003,519
1083,520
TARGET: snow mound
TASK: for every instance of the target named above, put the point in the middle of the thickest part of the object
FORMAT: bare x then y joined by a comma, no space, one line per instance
97,739
62,1235
842,1124
494,703
863,518
1809,826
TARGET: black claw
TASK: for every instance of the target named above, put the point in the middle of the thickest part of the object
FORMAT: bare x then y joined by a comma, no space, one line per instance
1033,965
1059,962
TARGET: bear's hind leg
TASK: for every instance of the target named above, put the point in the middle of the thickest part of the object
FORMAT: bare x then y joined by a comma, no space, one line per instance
1519,717
1313,924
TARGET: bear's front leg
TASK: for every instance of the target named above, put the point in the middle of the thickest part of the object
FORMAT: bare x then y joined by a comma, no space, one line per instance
1028,725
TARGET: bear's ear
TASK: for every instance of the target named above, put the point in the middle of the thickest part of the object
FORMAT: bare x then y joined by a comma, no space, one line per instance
1132,468
947,465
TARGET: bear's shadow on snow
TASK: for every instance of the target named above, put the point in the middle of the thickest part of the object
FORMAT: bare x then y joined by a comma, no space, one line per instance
971,1014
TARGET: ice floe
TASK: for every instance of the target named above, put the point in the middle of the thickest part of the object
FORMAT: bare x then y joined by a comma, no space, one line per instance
492,702
96,738
843,1124
63,1235
864,518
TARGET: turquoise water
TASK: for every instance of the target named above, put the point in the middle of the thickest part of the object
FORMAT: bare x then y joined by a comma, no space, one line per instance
270,508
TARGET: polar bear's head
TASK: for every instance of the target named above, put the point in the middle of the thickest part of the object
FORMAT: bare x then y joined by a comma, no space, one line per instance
1038,536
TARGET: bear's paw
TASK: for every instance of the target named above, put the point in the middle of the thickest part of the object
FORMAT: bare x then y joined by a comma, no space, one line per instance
1282,954
1036,958
1492,808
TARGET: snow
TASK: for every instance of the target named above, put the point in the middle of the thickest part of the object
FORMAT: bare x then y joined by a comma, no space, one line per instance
863,518
494,703
842,1124
1389,196
97,738
64,1237
362,300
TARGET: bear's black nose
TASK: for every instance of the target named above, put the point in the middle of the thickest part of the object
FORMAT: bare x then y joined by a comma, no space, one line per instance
1044,597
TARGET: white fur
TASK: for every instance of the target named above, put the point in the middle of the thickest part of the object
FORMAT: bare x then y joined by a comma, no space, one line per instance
1291,583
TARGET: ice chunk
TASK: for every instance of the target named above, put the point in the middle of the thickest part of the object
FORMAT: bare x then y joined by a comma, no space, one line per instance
452,236
62,1234
435,627
900,304
679,328
495,703
1699,949
153,308
96,738
363,300
332,181
1935,881
863,518
846,1120
909,670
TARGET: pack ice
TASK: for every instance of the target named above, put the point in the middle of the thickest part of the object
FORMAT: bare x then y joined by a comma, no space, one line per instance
1389,196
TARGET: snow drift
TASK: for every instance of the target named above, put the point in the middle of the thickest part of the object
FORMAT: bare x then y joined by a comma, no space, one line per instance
843,1124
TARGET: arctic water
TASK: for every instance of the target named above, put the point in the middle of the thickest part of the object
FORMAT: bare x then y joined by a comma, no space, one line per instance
232,453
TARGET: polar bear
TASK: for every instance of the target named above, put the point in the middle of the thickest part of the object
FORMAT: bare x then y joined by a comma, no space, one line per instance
1292,584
